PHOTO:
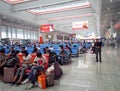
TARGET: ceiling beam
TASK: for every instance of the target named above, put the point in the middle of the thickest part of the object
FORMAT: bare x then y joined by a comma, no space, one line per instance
66,13
72,20
36,4
66,20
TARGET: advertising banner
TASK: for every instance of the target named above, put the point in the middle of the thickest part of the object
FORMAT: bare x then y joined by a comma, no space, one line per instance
72,35
46,28
80,25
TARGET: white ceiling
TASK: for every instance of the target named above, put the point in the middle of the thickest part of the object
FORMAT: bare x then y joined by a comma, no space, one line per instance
61,18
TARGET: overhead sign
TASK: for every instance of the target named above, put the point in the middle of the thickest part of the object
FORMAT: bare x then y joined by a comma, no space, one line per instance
88,33
72,35
117,25
80,25
46,28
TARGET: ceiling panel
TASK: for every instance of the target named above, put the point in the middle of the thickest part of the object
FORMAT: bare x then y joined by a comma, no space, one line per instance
77,12
17,1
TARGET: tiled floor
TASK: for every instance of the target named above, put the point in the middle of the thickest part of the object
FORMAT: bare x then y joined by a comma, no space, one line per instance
84,74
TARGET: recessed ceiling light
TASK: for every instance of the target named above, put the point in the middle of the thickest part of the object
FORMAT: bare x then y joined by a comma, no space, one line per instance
118,12
111,0
108,8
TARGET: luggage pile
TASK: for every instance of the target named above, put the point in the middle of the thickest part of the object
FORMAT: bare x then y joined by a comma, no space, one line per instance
54,72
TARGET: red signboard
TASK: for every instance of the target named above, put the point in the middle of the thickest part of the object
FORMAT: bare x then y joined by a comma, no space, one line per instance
46,28
117,25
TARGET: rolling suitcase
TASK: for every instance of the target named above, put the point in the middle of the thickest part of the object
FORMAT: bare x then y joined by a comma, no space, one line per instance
57,71
49,79
8,74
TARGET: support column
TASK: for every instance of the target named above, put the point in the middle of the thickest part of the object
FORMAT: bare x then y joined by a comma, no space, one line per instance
112,28
63,38
96,5
0,29
55,38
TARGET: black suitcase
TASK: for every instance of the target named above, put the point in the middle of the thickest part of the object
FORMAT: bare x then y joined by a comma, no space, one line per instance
49,79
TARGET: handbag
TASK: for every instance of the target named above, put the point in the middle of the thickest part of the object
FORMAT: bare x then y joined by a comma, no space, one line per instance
10,62
42,81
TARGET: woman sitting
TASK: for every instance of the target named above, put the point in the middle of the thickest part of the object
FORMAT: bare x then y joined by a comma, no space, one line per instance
35,50
62,54
37,66
25,65
46,50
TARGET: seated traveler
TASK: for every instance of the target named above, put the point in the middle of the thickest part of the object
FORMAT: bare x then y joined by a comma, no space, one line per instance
12,60
46,50
12,51
62,54
37,66
51,48
25,65
68,48
2,61
35,50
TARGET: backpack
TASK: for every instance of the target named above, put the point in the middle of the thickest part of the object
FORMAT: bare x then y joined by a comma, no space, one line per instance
11,62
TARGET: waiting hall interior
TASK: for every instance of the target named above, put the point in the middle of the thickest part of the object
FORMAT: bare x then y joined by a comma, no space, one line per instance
59,45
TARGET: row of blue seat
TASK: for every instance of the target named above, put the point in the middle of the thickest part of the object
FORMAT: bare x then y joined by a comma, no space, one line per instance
74,47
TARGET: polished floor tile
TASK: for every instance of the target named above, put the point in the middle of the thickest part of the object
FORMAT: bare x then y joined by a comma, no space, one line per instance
84,74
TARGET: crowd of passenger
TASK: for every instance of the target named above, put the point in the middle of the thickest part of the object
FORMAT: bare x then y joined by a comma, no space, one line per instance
38,64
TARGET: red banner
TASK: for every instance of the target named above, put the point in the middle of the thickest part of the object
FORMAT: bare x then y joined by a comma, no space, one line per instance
117,25
46,28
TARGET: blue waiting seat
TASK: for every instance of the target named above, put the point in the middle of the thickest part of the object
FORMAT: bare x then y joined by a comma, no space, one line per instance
7,51
75,51
41,51
57,51
29,51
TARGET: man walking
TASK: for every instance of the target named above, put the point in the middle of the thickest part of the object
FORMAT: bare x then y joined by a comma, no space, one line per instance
98,46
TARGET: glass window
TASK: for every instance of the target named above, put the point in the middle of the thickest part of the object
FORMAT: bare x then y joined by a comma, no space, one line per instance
9,32
13,33
35,35
32,34
20,33
3,32
29,34
25,34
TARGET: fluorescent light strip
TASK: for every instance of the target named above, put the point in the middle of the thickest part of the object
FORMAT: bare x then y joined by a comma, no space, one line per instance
61,6
71,17
59,10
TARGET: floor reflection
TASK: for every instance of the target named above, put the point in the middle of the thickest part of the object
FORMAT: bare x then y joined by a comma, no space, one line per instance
82,64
